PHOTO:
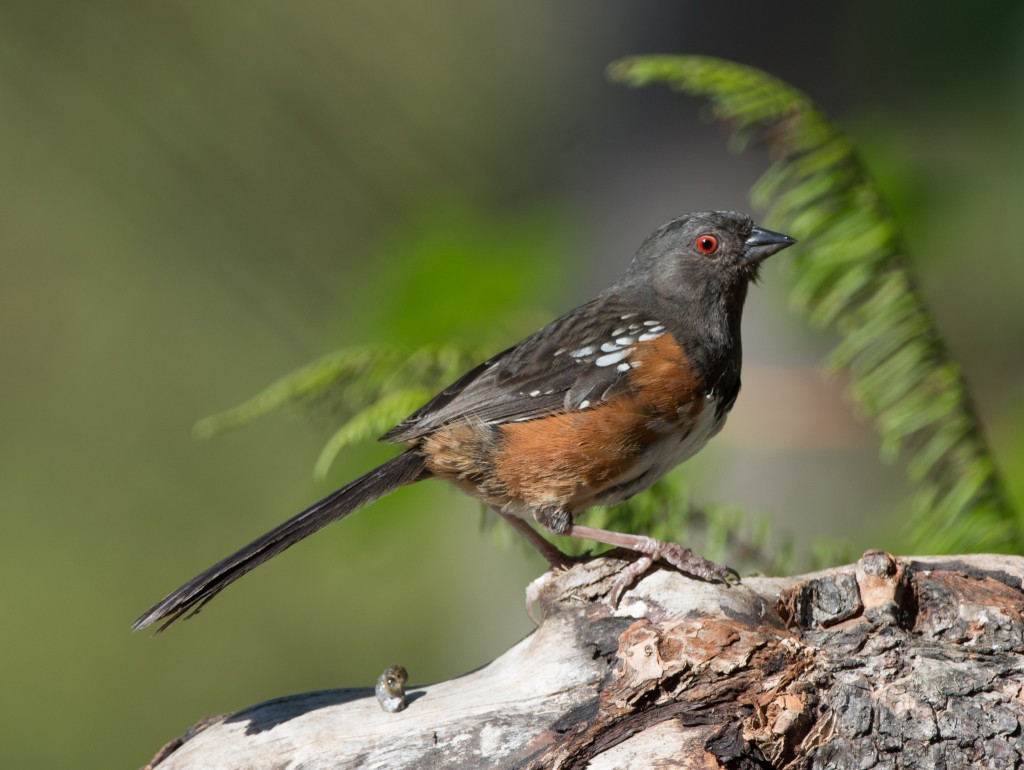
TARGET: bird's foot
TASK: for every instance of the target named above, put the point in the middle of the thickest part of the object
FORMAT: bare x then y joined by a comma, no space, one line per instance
673,554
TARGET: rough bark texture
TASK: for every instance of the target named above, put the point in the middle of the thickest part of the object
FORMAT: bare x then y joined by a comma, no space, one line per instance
901,663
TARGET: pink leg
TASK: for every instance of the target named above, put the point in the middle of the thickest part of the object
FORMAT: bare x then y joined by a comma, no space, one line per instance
652,550
550,552
554,557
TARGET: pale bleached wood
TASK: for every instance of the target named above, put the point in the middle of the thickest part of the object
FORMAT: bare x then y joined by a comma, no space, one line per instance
899,663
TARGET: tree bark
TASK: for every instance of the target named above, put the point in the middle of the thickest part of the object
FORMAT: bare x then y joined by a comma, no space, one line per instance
901,663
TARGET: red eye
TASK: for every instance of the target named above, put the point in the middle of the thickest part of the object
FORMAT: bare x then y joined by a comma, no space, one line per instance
706,244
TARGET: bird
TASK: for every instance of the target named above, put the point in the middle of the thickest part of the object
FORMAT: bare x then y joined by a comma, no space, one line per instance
589,410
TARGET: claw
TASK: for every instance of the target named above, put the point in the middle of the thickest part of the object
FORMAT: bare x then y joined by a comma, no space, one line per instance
627,578
648,551
680,557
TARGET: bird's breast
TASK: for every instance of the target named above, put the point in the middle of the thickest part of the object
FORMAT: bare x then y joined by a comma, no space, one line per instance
694,429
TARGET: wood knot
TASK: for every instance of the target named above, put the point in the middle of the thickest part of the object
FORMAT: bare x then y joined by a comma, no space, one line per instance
883,584
879,588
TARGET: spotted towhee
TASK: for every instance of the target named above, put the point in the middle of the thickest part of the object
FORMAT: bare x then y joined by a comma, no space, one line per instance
591,409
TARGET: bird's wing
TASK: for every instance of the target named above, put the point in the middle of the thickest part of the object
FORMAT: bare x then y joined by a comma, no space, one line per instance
576,361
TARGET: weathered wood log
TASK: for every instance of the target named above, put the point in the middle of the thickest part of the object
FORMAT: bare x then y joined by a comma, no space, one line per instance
902,663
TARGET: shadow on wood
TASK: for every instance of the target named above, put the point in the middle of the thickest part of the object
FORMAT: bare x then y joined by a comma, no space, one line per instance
912,663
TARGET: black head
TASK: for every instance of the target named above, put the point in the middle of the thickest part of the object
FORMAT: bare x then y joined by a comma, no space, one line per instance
716,250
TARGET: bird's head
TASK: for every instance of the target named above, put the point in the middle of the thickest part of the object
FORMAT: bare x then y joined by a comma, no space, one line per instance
719,251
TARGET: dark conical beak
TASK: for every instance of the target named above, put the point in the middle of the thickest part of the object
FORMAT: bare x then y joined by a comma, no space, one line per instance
763,243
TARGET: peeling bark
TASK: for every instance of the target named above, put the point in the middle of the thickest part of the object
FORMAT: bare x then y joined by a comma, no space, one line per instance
888,663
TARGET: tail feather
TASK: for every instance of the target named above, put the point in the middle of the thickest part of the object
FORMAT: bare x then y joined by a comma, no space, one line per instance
190,598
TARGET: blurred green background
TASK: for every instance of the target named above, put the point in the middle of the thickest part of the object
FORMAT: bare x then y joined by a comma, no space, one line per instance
197,198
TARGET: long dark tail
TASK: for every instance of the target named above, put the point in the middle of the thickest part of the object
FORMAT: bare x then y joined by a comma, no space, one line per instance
190,598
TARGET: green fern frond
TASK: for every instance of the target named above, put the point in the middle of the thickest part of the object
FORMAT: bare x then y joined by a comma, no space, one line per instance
850,274
370,388
370,422
309,381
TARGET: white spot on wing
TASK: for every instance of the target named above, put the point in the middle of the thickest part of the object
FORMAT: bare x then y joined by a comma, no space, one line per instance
584,404
584,351
624,341
609,348
623,367
534,393
611,358
648,336
626,316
